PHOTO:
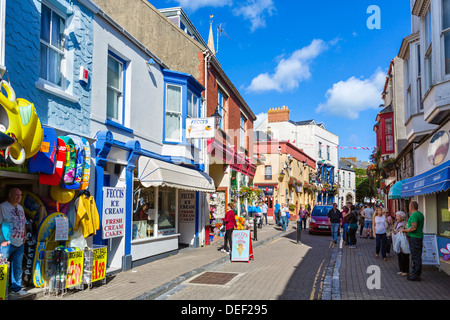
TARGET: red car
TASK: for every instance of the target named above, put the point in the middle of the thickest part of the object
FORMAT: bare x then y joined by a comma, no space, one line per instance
319,220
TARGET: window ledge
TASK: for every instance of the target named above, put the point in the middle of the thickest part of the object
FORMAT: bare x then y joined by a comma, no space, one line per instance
118,126
44,86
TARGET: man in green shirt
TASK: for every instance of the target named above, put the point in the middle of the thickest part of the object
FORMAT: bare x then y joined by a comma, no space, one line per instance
415,233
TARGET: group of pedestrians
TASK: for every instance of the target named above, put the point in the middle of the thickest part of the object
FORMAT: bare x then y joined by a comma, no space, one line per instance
378,224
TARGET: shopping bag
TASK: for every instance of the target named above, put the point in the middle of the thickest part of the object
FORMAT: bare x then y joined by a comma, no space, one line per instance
404,244
396,243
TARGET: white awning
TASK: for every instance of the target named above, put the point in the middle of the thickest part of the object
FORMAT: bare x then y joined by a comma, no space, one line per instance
155,173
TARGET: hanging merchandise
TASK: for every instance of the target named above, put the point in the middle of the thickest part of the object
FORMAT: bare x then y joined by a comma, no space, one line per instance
61,195
86,165
79,157
45,241
87,215
18,119
28,252
71,160
44,160
55,178
33,206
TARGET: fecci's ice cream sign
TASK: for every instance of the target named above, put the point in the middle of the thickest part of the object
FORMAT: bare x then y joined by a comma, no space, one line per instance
200,128
113,217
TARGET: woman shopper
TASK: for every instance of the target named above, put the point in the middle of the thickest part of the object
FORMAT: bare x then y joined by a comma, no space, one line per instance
379,227
353,226
345,224
230,224
389,228
403,258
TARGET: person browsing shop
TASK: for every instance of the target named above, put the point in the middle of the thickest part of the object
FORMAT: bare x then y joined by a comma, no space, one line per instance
414,230
230,225
13,216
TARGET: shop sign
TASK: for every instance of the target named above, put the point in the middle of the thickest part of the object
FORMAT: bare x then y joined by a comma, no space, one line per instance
113,217
74,268
3,281
241,247
430,253
99,264
62,229
186,212
203,128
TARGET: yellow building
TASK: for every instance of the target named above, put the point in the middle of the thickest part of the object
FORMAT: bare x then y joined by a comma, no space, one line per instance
282,174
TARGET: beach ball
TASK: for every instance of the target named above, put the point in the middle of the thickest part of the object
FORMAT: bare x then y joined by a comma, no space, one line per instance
61,195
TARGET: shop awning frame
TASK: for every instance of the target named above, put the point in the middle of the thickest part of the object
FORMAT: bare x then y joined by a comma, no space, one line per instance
156,173
433,181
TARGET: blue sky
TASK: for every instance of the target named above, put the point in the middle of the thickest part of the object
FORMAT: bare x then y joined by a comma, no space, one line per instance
319,58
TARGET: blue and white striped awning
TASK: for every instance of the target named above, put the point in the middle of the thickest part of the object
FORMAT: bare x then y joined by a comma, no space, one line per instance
432,181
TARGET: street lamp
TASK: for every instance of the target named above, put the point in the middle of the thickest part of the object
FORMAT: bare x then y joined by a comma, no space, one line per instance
217,116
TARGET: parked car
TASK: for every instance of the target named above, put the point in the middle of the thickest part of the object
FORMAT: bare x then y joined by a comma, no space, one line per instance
319,220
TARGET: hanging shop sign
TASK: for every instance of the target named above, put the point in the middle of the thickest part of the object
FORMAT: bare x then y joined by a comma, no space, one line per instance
113,217
203,128
242,248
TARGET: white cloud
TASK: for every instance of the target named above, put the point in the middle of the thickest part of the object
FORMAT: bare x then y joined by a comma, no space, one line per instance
260,118
291,71
350,97
256,11
196,4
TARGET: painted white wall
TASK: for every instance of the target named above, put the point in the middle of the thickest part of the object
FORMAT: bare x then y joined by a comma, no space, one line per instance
143,94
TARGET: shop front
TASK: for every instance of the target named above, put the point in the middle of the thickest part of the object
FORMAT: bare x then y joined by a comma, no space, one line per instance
169,202
430,187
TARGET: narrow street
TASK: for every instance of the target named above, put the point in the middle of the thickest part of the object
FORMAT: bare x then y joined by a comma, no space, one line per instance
281,270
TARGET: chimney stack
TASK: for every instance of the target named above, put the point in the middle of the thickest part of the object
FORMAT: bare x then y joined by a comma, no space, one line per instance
278,114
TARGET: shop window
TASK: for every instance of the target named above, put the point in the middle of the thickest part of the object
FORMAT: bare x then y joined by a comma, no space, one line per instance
167,211
446,33
221,101
444,214
51,46
144,213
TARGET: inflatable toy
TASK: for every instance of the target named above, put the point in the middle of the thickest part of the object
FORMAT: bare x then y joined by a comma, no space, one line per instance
19,120
5,141
44,160
55,178
86,165
28,254
71,160
31,204
61,195
78,173
45,241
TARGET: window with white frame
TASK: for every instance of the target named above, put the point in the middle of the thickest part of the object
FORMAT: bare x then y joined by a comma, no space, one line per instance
446,33
243,136
52,46
114,89
349,180
419,81
174,115
320,149
221,101
328,152
389,135
192,105
428,51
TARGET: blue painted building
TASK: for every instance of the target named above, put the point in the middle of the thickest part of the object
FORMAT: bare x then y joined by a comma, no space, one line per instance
87,76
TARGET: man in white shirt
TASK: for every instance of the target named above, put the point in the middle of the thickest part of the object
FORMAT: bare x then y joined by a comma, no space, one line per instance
368,214
12,237
264,211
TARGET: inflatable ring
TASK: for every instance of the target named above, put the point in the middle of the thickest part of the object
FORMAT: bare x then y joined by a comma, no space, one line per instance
21,155
31,204
45,241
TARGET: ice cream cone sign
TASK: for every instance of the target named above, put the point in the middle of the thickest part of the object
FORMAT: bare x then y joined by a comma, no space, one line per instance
240,248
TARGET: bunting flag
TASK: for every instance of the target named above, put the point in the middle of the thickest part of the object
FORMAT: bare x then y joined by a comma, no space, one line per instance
334,146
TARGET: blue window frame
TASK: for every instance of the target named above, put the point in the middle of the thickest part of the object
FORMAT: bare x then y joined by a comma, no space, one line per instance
181,101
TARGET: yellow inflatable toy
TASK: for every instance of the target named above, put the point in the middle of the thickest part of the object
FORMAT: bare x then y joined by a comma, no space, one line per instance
19,120
61,195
